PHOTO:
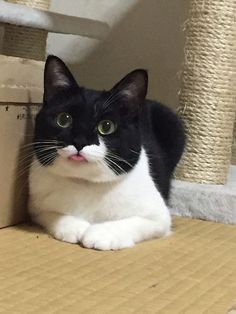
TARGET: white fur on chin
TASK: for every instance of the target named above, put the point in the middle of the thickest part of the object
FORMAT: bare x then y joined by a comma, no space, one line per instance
85,202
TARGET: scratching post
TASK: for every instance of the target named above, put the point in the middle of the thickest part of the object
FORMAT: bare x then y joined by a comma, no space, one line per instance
205,188
26,42
207,99
234,145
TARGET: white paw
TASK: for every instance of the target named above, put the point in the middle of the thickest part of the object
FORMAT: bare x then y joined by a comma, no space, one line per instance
70,229
104,237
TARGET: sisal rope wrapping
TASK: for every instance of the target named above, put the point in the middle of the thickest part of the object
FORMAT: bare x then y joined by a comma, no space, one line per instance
26,42
207,97
38,4
234,145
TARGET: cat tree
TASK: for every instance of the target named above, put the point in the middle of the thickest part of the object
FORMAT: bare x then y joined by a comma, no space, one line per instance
22,41
208,108
234,145
27,23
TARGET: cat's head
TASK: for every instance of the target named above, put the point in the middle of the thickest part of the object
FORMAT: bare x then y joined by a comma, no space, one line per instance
87,134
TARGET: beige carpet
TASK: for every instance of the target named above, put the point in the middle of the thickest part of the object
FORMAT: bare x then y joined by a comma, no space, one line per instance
193,271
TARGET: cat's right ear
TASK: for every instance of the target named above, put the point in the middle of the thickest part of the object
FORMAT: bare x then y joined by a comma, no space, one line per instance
57,77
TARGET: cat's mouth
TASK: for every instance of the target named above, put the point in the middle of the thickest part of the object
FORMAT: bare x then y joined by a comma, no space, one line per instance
77,158
72,154
89,154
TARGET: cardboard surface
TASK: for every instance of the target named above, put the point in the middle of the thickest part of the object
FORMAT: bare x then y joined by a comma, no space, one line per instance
20,89
191,272
16,130
21,80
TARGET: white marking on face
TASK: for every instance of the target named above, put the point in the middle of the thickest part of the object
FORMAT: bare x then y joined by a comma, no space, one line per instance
93,152
68,151
95,169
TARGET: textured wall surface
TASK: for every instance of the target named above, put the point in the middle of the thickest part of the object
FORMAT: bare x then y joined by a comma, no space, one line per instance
146,34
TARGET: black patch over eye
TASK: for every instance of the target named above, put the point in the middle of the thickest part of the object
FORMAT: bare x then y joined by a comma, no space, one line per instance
106,127
64,120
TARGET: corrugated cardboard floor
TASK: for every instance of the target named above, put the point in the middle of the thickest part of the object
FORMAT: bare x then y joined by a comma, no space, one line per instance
193,271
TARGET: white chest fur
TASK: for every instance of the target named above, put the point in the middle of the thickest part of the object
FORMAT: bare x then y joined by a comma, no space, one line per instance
132,195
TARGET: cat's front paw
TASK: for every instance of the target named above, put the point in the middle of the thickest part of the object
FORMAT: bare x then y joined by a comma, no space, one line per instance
70,229
103,237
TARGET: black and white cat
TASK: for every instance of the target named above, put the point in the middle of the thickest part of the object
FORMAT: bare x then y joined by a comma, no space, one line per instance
103,161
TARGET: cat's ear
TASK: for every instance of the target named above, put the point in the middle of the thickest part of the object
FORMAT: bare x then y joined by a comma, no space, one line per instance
56,77
133,89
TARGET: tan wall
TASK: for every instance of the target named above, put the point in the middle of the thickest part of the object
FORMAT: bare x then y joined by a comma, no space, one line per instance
145,33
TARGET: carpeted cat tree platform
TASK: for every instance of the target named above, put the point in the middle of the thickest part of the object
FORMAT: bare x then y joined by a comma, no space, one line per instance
191,272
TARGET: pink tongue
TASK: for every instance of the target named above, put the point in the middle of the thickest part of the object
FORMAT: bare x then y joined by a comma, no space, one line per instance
77,157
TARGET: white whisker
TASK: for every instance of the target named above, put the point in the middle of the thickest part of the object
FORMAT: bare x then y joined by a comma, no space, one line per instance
47,142
29,156
119,159
115,164
133,151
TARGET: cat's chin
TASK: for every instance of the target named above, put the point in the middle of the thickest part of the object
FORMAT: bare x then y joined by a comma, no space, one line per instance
83,170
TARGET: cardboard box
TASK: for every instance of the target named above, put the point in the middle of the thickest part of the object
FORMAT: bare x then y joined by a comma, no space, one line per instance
21,89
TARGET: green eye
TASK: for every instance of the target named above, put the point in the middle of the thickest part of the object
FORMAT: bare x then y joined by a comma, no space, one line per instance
64,120
106,127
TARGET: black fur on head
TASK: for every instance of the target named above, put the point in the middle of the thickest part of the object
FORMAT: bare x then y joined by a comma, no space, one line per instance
121,105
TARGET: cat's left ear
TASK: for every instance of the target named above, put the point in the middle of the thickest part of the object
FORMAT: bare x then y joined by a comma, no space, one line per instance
57,77
133,89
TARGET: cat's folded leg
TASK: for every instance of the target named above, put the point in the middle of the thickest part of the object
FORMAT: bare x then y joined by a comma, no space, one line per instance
62,227
115,235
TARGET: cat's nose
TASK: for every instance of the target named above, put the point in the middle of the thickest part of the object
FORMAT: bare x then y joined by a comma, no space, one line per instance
80,144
